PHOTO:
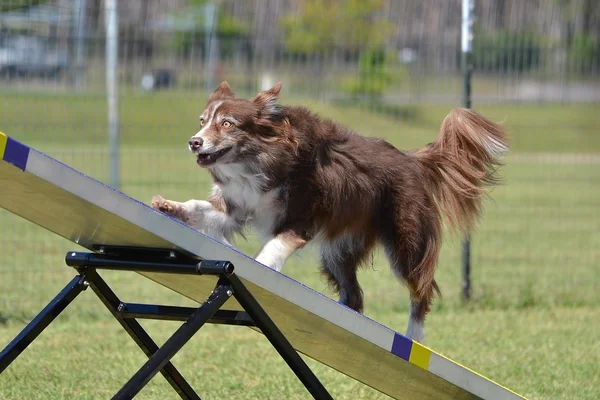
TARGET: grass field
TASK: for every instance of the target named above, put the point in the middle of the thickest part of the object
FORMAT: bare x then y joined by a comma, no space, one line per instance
532,324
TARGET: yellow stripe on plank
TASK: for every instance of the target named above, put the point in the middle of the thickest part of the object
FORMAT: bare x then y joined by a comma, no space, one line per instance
3,140
420,355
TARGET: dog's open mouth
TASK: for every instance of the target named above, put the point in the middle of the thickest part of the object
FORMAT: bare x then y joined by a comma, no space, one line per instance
206,159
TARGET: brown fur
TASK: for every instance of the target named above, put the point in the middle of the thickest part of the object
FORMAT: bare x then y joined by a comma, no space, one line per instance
352,192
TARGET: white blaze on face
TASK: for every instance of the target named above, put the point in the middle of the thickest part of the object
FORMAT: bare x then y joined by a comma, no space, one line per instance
208,120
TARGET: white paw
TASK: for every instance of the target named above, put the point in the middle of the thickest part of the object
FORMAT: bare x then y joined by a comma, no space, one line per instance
163,205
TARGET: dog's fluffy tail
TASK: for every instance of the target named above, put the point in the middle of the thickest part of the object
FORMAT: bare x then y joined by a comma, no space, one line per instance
461,164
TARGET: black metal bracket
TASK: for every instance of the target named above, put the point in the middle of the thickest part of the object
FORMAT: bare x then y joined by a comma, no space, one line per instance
165,261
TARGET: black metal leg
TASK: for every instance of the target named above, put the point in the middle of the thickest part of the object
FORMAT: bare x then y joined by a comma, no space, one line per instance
278,340
139,335
41,321
218,297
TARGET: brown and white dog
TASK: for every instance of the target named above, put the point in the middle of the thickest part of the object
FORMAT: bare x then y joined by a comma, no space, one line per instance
297,178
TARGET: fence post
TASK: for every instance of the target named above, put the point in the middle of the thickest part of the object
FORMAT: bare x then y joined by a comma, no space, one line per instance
112,54
467,68
211,45
80,9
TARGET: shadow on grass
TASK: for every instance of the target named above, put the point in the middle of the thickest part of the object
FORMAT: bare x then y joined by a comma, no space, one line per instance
16,317
3,319
26,316
394,111
525,297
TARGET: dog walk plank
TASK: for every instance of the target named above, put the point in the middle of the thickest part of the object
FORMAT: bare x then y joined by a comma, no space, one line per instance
89,213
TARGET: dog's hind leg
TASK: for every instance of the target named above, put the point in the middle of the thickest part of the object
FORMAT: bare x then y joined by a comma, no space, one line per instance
419,307
420,297
340,260
411,244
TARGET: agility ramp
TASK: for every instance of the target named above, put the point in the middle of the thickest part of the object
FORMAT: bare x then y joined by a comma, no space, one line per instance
125,234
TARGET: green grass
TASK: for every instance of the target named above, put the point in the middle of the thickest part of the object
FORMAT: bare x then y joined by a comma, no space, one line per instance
534,351
532,324
169,119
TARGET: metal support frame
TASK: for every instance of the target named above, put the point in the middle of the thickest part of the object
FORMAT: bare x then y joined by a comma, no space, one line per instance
41,321
166,261
137,333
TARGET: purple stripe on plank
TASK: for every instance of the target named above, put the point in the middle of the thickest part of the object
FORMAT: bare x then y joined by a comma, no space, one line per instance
401,346
16,153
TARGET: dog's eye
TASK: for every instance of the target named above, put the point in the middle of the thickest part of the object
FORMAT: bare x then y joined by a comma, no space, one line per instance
227,124
201,121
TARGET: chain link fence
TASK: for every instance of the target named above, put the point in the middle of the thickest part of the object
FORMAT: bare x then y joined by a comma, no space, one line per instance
385,68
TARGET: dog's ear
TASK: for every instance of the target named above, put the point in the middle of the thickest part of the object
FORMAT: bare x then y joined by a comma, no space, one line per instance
267,103
268,96
223,91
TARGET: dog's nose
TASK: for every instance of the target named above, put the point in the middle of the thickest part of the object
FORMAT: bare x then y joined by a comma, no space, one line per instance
195,143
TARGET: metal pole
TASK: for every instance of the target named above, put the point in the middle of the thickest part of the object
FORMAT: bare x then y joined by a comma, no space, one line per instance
211,45
467,69
80,8
112,48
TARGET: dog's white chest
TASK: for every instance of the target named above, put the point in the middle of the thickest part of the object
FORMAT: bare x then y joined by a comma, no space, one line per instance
244,191
266,213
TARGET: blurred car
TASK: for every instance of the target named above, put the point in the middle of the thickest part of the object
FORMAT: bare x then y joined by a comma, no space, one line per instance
160,78
26,55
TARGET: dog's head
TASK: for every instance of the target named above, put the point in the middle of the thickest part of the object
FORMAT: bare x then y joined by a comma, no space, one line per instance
236,130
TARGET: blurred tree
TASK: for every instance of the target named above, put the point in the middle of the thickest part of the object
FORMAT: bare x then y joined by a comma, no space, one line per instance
357,28
506,50
581,35
228,28
375,74
352,25
16,4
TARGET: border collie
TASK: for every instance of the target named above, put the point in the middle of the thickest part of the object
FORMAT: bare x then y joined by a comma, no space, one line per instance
297,178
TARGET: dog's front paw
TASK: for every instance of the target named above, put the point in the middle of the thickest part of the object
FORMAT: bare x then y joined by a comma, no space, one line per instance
165,206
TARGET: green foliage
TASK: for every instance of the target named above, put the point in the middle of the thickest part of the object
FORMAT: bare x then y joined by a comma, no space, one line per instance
375,73
352,25
584,55
372,76
16,4
506,51
228,28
